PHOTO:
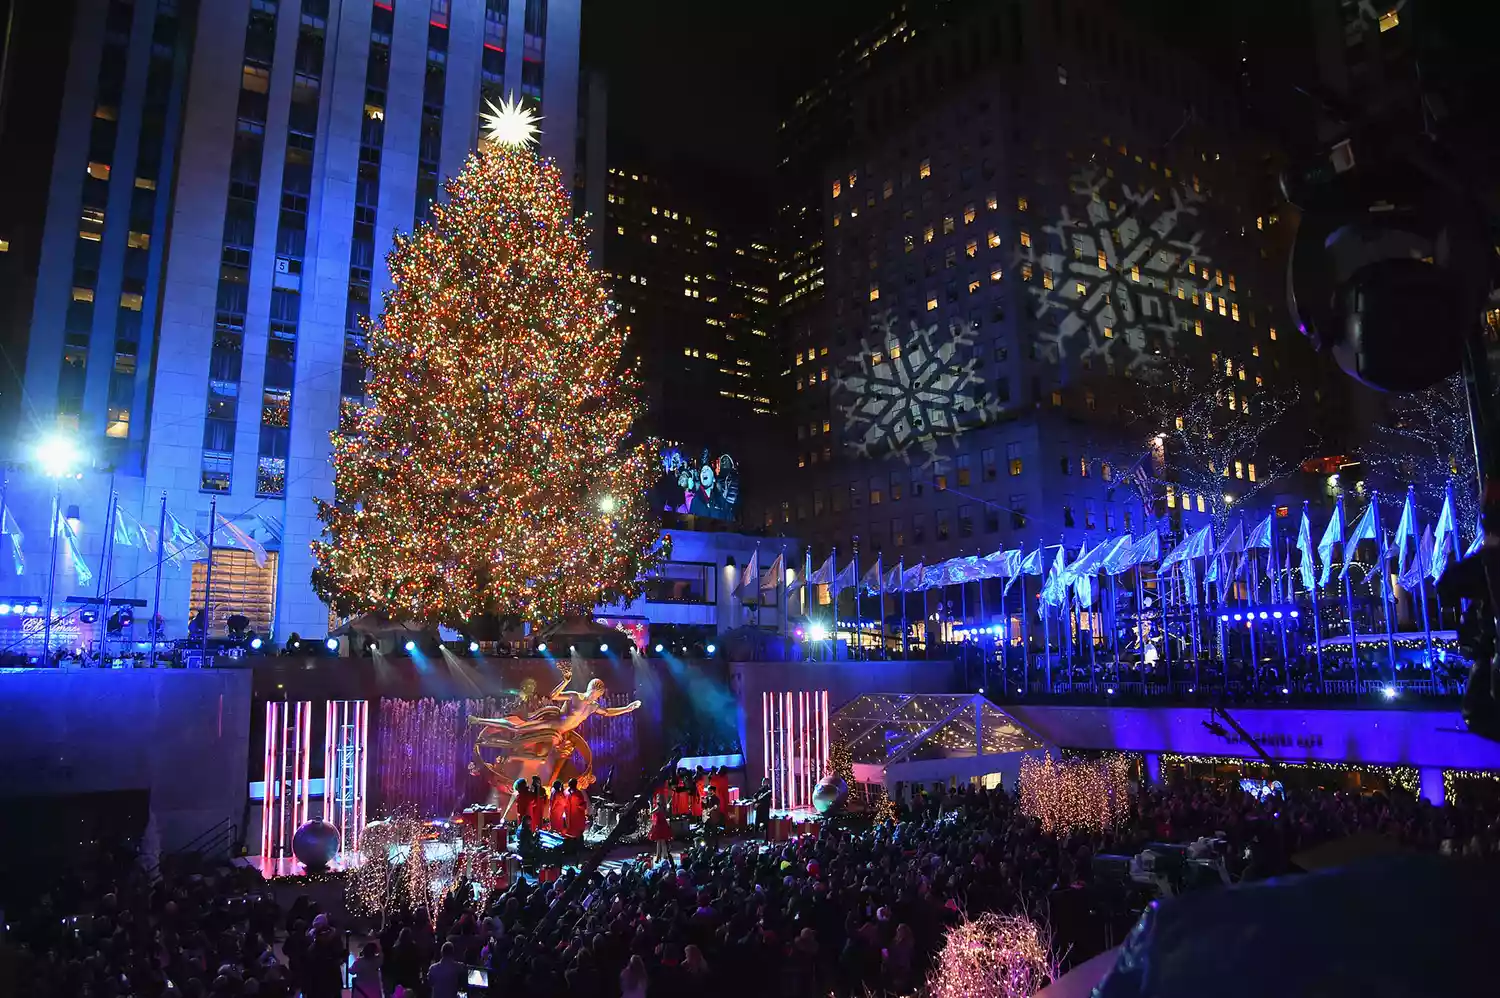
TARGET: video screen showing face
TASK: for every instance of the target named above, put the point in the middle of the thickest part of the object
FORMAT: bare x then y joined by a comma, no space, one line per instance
702,486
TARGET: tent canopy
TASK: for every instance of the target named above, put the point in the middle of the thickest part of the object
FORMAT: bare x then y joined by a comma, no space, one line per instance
884,729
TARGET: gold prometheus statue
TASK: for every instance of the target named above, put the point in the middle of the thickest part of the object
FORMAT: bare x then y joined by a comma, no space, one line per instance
542,744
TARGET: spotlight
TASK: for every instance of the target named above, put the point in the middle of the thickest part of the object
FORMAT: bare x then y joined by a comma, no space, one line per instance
981,689
1239,617
658,649
542,646
4,609
818,632
1285,691
30,608
473,646
711,649
572,647
57,455
332,644
1294,614
255,644
410,645
1110,690
1276,614
603,648
1223,616
1390,692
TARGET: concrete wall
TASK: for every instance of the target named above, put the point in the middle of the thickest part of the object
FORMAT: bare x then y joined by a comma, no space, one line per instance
183,736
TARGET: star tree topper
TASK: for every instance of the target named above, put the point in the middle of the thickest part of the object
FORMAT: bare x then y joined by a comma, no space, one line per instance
510,123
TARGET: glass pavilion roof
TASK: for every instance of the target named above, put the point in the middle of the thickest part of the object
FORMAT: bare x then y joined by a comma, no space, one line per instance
884,728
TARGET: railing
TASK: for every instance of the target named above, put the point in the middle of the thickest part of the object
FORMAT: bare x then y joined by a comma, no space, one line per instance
213,843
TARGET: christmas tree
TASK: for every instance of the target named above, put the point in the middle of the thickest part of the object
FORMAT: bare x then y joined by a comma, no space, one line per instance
493,469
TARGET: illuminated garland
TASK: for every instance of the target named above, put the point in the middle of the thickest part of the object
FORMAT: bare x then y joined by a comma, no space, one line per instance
841,764
495,468
1452,776
1405,777
993,956
1075,793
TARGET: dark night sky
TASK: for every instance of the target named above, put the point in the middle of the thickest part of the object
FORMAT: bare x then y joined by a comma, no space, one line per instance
694,83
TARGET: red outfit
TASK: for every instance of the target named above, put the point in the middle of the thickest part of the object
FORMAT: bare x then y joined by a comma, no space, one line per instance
720,782
682,797
698,789
538,808
660,830
575,813
522,807
557,811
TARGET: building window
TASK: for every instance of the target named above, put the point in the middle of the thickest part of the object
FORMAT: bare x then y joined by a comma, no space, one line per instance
918,529
924,169
875,492
895,486
99,171
1013,459
1109,332
1017,512
1103,262
874,292
1273,334
992,239
138,240
966,521
996,275
1198,327
1234,311
1089,514
1068,515
1021,204
987,466
962,469
1239,469
838,189
932,302
898,533
940,518
1047,279
1025,238
971,248
1080,289
239,583
940,474
969,214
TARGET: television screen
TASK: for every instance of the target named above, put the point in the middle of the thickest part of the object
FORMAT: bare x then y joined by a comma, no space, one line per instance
705,485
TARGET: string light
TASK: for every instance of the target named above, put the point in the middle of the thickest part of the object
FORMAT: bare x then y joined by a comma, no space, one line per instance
494,469
1451,778
993,956
1403,777
1075,793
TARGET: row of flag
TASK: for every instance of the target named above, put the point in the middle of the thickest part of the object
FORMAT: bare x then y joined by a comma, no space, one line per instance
1418,554
178,543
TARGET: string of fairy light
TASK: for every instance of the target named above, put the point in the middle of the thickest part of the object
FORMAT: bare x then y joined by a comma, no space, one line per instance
993,956
1075,793
493,469
1404,777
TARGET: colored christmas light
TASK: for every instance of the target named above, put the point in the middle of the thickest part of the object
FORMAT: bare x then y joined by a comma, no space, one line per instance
993,956
494,469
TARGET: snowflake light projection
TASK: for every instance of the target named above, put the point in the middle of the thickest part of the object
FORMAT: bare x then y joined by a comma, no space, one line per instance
1106,282
901,392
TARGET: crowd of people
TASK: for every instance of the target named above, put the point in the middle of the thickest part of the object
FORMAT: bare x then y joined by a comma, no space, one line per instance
848,911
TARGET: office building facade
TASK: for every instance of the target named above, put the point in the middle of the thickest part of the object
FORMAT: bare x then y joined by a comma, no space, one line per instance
227,181
1039,207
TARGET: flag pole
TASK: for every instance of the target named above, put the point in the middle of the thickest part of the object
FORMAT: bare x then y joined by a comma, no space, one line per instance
963,616
833,602
1114,624
101,587
161,543
901,589
208,575
1349,605
1025,635
807,602
984,656
1385,584
880,586
859,583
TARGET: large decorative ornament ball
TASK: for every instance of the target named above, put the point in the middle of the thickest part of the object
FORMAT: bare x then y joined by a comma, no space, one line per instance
830,793
315,844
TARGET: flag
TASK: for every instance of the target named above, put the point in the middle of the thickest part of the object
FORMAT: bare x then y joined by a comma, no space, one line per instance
1406,533
1056,590
1119,557
1478,541
1195,545
1445,541
1233,543
182,542
1260,537
749,586
912,579
871,581
1212,576
1001,564
774,575
845,578
239,539
1364,530
1082,572
1416,571
11,529
824,574
1032,564
1304,548
129,531
1146,549
1333,535
62,528
892,581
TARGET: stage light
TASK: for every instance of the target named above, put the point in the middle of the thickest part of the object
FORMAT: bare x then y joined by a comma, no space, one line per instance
1390,692
572,648
542,647
1276,614
473,646
30,608
603,648
1190,689
1263,615
818,632
1284,690
57,454
711,649
255,644
332,644
4,609
1110,690
410,645
658,649
981,689
1294,614
1223,616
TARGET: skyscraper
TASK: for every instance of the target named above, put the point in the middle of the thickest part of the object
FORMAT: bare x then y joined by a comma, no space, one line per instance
1037,207
227,179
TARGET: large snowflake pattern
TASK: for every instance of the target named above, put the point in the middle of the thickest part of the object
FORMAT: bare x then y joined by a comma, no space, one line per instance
1115,271
904,393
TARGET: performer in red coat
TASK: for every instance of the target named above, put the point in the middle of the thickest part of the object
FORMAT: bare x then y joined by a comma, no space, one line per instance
521,805
698,780
557,808
682,794
576,812
538,802
720,781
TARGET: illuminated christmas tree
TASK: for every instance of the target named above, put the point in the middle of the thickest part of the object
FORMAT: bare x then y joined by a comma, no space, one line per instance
493,469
